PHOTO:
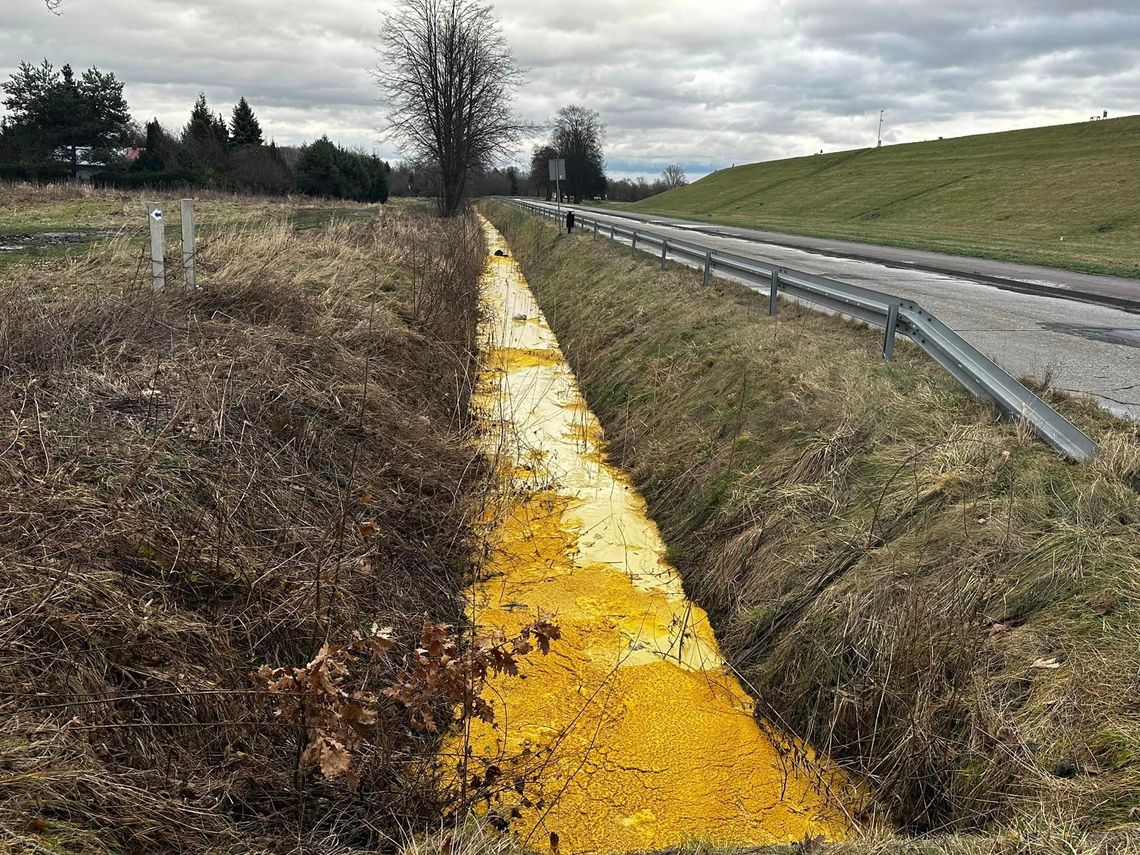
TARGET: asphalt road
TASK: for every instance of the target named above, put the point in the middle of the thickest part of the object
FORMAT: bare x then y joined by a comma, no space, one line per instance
1078,346
1028,278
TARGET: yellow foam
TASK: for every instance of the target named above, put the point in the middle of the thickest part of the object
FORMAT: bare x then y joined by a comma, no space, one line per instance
633,733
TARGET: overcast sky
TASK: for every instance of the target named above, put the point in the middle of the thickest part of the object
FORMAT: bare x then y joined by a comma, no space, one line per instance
705,83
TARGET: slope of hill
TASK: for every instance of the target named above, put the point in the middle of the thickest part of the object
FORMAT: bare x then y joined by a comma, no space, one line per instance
1065,196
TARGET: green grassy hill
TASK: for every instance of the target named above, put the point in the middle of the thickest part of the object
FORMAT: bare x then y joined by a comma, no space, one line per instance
1066,196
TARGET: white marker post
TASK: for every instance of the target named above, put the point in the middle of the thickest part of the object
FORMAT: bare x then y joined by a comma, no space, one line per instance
157,246
189,274
558,175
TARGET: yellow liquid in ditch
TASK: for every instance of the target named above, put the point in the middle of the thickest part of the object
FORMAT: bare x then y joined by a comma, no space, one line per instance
632,734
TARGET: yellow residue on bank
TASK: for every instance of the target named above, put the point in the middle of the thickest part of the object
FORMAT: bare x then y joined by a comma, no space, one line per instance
632,734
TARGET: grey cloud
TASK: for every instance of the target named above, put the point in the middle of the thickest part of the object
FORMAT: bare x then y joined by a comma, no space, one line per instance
704,83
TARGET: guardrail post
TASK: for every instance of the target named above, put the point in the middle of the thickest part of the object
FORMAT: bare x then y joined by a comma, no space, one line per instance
889,335
633,243
772,294
595,229
611,233
157,246
708,268
664,250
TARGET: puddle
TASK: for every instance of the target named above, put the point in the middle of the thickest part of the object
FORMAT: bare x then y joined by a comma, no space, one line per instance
1127,336
40,240
632,734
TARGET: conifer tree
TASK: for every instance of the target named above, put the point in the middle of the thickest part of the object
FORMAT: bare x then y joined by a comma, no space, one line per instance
245,130
64,112
206,136
200,128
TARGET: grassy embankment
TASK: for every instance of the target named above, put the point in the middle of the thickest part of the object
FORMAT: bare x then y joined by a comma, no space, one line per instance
196,484
929,595
1065,196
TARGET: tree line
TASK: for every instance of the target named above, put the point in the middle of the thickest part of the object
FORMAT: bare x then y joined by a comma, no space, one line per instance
448,78
61,125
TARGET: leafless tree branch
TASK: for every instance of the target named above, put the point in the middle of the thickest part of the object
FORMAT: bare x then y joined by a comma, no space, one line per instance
674,176
448,76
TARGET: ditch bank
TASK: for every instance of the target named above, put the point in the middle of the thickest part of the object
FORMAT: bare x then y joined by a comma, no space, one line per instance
225,515
924,593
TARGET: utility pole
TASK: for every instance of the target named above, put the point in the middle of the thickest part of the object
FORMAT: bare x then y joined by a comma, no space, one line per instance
880,142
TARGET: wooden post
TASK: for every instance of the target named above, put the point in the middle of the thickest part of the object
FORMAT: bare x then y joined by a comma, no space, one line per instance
157,246
189,274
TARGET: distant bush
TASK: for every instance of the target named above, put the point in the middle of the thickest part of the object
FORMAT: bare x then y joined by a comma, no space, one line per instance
326,169
163,179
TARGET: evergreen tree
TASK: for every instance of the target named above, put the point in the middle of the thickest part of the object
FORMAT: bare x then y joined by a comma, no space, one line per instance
59,112
151,159
200,128
245,130
206,137
318,169
326,169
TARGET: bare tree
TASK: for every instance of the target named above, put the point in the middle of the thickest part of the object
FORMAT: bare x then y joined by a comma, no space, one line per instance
674,176
578,136
448,76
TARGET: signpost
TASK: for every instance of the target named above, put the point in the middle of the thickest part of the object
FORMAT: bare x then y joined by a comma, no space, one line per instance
157,247
558,175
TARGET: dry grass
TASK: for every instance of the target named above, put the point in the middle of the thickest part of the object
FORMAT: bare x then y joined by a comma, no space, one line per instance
184,482
86,213
928,594
471,837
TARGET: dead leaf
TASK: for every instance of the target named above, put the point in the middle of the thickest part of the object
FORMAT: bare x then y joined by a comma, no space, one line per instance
329,755
1050,663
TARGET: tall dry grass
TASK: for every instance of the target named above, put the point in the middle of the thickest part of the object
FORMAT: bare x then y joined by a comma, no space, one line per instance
197,483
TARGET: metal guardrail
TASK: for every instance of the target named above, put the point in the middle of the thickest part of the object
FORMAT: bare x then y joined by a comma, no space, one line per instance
979,374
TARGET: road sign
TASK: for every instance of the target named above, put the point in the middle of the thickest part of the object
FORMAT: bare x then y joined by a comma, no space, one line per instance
558,175
156,215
